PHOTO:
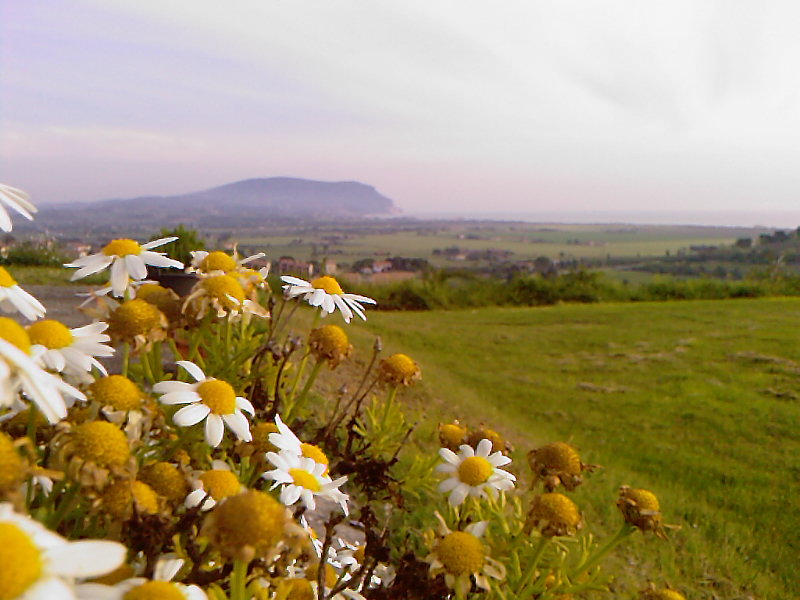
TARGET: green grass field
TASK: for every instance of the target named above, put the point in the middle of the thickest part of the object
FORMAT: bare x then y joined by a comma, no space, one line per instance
697,401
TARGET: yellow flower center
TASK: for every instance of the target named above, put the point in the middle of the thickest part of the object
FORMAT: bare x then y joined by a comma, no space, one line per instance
11,466
361,553
6,280
452,435
122,247
21,560
119,498
327,283
557,457
304,479
315,452
102,443
50,334
252,519
329,342
461,553
398,369
155,590
475,470
14,334
220,484
644,499
554,514
166,480
116,391
223,288
217,261
218,396
295,589
134,317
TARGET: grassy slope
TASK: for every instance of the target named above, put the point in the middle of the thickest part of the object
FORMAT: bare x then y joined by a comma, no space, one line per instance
697,401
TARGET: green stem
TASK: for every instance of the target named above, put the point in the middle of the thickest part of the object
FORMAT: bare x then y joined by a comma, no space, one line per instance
526,581
146,368
387,409
239,580
126,356
624,531
64,507
300,401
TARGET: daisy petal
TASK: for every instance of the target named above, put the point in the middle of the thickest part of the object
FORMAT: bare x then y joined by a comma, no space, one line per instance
214,430
191,415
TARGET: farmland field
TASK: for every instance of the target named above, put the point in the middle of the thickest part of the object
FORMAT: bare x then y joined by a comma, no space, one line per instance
697,401
524,240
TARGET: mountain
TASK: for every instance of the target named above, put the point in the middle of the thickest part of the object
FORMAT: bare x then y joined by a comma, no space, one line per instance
231,205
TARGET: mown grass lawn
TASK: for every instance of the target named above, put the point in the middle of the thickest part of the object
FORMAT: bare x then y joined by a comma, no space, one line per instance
697,401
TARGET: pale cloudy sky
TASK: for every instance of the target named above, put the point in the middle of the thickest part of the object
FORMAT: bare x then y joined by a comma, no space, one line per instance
443,105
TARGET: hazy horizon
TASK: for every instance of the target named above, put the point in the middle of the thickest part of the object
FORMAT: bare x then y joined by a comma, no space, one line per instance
686,107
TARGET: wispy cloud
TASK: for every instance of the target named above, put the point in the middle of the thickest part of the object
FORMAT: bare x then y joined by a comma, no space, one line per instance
523,103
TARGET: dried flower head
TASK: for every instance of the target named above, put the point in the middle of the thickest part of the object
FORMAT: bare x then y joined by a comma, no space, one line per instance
330,343
641,509
557,464
166,480
137,322
116,391
553,515
101,443
452,435
247,525
398,369
485,433
164,299
121,498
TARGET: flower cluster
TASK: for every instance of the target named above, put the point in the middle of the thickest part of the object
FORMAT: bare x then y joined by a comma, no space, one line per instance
221,466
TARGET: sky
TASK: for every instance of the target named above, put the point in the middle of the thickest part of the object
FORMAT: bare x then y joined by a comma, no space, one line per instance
529,106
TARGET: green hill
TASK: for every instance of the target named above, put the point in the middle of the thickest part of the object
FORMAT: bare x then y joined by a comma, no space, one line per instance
697,401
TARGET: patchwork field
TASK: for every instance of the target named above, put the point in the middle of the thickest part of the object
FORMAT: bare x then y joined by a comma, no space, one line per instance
697,401
524,240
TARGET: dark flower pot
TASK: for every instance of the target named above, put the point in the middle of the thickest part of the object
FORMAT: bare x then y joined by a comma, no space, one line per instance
177,281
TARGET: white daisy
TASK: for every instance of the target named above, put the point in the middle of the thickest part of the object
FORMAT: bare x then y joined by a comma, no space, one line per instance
326,293
14,298
460,556
17,200
211,399
210,262
70,351
128,260
303,479
473,472
42,565
20,373
286,441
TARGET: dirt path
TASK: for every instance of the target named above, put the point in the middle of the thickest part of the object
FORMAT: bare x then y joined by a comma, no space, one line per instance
61,302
